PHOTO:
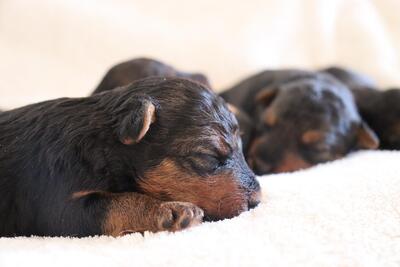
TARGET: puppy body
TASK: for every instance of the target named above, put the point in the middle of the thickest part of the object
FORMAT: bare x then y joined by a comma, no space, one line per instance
303,118
156,155
350,78
127,72
380,109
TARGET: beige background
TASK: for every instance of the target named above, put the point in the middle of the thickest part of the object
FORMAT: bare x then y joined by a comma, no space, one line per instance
54,48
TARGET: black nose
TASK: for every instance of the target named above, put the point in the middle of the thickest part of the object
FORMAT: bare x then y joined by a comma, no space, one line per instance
254,199
253,204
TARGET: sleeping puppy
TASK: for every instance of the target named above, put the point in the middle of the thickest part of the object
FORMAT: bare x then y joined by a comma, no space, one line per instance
156,155
380,109
246,125
303,118
350,78
127,72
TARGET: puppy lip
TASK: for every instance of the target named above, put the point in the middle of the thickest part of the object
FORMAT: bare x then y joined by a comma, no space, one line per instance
213,217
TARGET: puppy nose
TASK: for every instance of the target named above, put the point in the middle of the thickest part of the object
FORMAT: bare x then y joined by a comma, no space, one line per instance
254,199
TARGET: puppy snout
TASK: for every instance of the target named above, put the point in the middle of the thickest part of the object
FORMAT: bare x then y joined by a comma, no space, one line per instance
254,194
291,162
254,199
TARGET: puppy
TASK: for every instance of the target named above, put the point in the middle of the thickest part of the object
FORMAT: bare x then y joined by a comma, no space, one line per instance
155,155
303,118
246,126
352,79
380,109
127,72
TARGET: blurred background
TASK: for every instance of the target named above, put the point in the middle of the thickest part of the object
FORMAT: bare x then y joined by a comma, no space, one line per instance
56,48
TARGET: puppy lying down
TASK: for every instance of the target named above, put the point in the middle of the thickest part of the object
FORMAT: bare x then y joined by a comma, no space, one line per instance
134,159
379,108
302,118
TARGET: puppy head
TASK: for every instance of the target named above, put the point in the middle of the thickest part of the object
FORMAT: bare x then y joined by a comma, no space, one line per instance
306,121
246,126
127,72
185,146
384,116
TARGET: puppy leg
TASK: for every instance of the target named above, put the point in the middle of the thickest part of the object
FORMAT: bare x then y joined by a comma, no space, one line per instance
133,212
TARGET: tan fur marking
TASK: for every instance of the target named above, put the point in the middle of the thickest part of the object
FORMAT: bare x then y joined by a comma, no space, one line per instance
270,117
133,212
219,196
292,162
265,96
232,109
130,212
366,138
312,136
80,194
148,119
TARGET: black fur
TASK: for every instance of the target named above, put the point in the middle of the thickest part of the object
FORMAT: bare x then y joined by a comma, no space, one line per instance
300,101
52,149
135,69
379,108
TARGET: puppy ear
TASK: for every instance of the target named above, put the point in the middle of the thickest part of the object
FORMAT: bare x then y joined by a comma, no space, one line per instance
233,109
366,137
266,95
135,125
312,136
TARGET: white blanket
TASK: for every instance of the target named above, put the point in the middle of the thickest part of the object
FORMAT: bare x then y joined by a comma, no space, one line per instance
343,213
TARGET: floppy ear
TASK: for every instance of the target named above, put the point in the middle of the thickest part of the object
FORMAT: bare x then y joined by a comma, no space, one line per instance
233,109
135,125
366,137
266,95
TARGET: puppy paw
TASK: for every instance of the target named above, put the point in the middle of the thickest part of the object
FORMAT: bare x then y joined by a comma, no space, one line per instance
175,216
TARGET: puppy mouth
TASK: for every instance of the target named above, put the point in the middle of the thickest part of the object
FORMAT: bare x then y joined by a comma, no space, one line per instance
213,218
252,202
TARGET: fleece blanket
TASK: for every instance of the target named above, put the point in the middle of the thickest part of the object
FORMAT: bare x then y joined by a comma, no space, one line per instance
343,213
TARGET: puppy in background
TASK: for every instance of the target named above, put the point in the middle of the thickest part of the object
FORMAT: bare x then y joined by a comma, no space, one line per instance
139,68
379,108
127,72
302,118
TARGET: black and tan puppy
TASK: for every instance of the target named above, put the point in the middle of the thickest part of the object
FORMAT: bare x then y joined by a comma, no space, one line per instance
303,118
135,69
380,109
156,155
246,126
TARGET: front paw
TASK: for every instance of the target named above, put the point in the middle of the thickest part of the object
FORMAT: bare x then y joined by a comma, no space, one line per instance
174,216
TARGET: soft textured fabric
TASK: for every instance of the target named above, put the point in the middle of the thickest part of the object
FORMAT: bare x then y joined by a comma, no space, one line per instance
344,213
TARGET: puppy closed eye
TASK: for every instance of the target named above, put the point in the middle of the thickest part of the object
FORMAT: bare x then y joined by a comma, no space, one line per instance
206,162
